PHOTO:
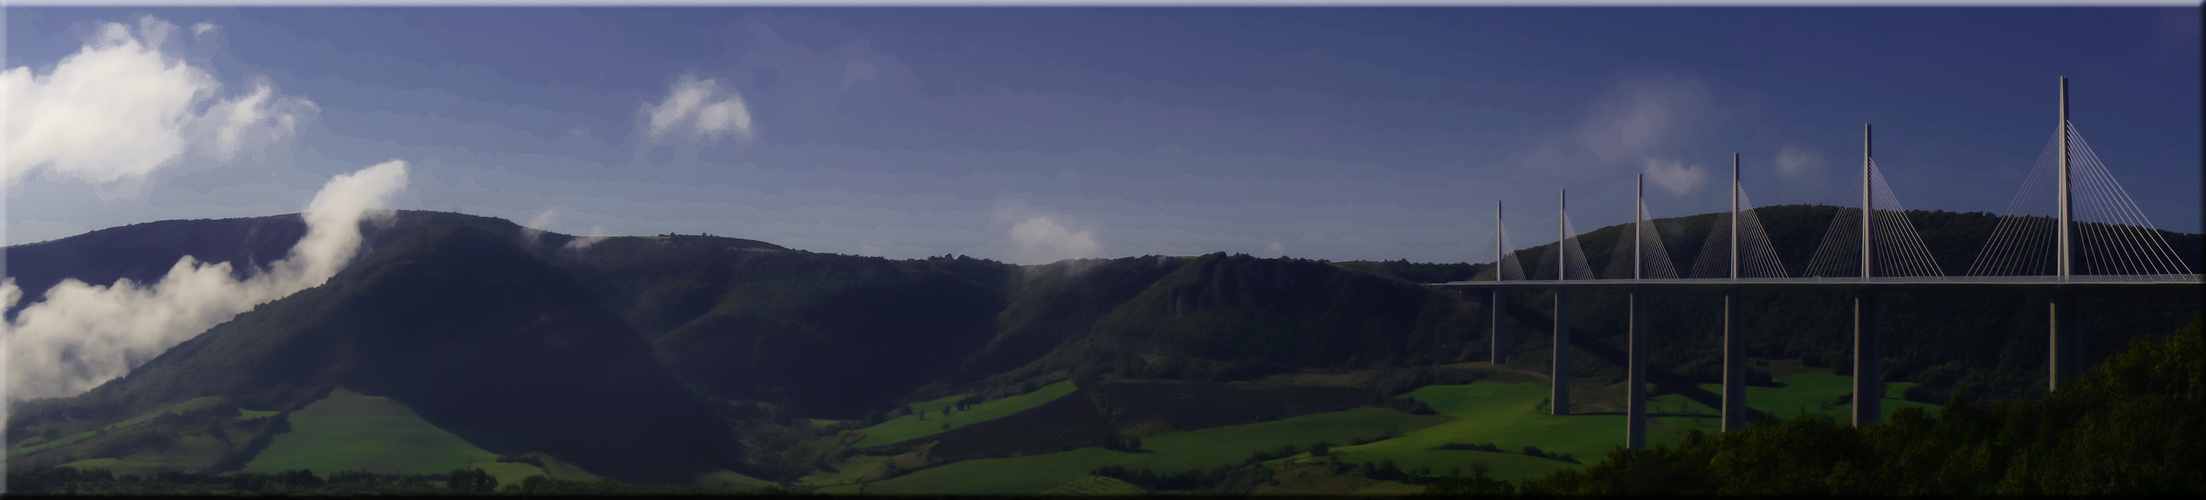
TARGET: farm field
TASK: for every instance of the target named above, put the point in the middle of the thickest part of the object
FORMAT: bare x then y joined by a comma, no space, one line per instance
846,472
245,415
192,404
195,452
908,427
1095,485
351,431
719,479
1816,392
1505,414
1176,451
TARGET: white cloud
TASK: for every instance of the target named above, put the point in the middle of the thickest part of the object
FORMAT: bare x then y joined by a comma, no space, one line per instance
1038,238
82,335
124,106
251,121
689,107
858,70
583,243
535,228
1675,176
1800,166
1275,249
1641,114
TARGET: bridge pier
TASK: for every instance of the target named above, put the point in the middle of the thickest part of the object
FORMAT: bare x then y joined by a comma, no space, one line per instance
1494,339
2061,362
1868,374
1635,393
1560,386
1734,365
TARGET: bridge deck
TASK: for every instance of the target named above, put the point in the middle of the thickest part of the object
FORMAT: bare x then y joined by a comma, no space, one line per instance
2161,280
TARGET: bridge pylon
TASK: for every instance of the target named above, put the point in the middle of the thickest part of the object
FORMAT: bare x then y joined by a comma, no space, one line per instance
2057,359
1559,368
1635,392
1868,379
1734,334
1494,339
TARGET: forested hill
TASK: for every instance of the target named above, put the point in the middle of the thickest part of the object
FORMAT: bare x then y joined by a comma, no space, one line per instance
469,330
718,320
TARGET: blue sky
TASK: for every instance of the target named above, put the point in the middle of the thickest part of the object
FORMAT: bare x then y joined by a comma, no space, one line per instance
1035,134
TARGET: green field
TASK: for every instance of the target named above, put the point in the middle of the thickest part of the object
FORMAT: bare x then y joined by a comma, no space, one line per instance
722,479
910,427
350,431
1096,485
1506,415
246,415
192,404
1815,392
846,472
190,453
1176,451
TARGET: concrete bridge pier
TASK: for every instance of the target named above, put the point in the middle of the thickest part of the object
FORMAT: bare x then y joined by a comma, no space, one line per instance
1635,393
1494,340
1734,365
2061,315
1560,383
1868,371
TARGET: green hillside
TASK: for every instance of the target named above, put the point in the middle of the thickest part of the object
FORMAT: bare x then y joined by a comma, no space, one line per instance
680,359
914,426
1174,451
351,431
544,368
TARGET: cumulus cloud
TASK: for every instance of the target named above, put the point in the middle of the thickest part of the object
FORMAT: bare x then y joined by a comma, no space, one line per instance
1039,238
858,70
251,121
1275,249
124,105
1640,114
82,335
690,108
1800,166
1675,176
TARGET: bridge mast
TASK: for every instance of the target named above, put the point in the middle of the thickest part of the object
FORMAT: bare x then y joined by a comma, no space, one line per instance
1493,340
1559,381
1734,342
1868,388
1635,416
2064,206
1865,213
2055,318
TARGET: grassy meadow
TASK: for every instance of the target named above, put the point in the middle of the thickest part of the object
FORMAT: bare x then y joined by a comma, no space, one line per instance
192,404
1175,451
1508,415
910,427
351,431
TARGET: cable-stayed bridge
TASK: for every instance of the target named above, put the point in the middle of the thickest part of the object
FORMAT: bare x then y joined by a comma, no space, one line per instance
2070,229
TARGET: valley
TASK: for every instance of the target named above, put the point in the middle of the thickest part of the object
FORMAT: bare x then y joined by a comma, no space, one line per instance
459,343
